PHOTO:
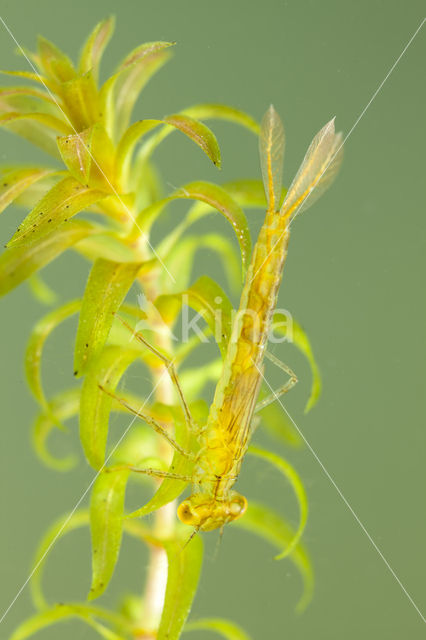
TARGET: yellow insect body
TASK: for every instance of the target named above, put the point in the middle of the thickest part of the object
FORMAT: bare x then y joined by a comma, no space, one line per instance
225,438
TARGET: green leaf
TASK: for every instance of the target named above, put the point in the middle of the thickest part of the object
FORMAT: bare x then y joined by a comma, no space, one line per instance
198,132
63,612
62,406
95,45
106,289
203,112
119,93
298,488
299,338
195,130
219,199
106,524
214,197
39,128
89,156
55,64
269,525
225,628
184,573
207,298
13,182
63,525
81,101
62,202
18,263
33,354
95,404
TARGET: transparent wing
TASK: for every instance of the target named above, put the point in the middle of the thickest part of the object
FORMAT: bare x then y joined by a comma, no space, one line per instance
271,148
317,171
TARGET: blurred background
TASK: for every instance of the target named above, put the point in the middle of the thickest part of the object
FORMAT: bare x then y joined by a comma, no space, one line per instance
354,279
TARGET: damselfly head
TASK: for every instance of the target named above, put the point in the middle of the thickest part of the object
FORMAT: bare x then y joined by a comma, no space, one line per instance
205,514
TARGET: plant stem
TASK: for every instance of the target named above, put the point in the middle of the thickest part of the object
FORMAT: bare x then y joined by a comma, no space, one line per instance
164,518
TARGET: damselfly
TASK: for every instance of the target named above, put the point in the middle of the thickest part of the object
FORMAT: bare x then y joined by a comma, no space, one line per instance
224,440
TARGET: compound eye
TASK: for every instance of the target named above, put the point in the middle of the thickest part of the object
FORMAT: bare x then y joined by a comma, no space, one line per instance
185,513
238,507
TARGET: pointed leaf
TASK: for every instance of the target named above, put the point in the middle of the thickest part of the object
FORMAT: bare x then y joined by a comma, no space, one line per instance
62,202
95,45
33,354
55,64
106,289
298,488
198,132
299,338
184,573
13,182
62,406
106,524
95,404
269,525
120,92
203,112
225,628
195,130
18,263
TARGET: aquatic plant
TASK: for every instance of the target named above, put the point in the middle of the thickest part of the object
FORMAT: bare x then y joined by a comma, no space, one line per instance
103,171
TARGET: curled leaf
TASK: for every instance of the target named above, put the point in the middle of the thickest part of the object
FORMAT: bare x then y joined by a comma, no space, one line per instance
298,488
203,112
106,525
33,354
106,289
182,581
195,130
62,406
269,525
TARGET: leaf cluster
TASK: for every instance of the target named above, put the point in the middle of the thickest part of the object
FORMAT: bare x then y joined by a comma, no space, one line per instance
100,198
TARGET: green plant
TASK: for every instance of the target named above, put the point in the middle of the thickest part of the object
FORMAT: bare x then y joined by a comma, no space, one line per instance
107,172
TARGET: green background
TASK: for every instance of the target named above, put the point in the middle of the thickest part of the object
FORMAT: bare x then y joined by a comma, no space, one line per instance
354,278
